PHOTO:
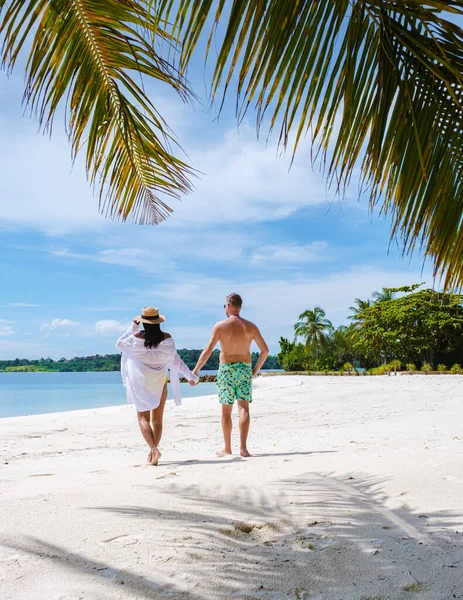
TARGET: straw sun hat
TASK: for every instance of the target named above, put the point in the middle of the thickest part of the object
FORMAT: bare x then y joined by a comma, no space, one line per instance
150,315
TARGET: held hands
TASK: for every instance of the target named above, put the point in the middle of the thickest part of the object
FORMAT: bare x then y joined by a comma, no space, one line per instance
194,381
136,322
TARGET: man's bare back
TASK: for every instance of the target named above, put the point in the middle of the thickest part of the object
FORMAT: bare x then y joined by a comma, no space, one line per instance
235,337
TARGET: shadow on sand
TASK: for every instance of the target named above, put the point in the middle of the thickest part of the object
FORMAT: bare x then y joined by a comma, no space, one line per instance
314,537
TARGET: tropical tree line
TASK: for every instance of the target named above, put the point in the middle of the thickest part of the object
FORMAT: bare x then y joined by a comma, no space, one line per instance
398,328
374,85
112,362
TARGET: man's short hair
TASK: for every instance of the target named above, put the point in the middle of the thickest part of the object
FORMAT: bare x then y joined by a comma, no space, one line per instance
235,300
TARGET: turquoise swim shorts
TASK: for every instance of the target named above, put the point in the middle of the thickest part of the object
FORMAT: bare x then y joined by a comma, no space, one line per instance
234,381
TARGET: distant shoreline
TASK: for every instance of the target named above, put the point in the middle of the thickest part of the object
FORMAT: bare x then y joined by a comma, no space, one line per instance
111,363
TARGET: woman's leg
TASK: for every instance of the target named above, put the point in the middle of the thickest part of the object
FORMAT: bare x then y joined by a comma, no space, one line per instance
157,416
147,433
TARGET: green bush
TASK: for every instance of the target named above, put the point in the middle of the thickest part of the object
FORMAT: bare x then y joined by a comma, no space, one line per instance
456,369
395,365
426,368
382,370
349,367
295,359
411,368
441,368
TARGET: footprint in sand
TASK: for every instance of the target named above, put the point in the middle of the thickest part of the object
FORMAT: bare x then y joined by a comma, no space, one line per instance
42,475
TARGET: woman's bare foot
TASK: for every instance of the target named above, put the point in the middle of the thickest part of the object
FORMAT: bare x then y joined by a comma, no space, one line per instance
224,452
150,456
244,453
155,456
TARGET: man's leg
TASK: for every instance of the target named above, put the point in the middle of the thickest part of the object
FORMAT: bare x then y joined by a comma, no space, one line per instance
157,416
147,433
245,420
226,428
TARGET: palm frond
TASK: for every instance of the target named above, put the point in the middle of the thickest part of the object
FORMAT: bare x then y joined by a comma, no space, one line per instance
391,72
89,57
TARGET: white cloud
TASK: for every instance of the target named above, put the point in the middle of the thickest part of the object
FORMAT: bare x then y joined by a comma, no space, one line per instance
274,303
22,305
6,330
60,324
110,326
242,179
138,258
245,180
290,254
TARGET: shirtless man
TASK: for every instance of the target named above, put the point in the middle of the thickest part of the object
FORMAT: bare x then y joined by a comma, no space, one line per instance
234,379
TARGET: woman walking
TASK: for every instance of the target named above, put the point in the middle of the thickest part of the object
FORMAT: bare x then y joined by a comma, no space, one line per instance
147,355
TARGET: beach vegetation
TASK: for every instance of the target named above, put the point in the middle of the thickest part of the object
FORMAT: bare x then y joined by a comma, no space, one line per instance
384,295
404,326
349,367
456,369
426,368
377,84
395,365
313,327
442,368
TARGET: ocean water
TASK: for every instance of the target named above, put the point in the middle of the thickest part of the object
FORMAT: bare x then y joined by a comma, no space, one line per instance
40,393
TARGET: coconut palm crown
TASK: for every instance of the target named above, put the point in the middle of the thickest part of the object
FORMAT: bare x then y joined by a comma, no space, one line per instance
375,85
313,327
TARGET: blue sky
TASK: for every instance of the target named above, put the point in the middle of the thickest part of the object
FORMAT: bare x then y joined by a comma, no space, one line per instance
72,281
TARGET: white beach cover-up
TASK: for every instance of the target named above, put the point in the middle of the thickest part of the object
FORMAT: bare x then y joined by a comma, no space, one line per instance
144,370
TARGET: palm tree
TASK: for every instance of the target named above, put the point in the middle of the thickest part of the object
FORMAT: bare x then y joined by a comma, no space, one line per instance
358,308
378,84
313,326
383,296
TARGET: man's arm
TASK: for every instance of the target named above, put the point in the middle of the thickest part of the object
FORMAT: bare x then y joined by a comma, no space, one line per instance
264,352
202,360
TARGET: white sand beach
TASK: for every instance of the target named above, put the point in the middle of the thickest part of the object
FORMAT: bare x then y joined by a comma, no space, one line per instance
355,492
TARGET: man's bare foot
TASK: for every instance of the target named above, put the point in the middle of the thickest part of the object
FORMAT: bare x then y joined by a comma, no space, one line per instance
155,456
224,452
244,453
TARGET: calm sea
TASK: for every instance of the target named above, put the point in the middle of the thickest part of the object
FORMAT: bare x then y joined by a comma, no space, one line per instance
39,393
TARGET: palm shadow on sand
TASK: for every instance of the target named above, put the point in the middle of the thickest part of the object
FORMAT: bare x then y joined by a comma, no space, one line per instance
321,534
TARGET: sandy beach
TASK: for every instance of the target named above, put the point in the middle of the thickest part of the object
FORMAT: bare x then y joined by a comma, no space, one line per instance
355,492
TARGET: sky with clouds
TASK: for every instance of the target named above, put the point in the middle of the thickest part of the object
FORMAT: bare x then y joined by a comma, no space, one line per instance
72,281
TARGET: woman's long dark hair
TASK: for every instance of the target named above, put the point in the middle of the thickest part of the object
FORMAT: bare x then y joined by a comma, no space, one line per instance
153,335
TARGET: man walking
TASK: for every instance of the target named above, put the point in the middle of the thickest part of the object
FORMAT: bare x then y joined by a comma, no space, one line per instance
234,379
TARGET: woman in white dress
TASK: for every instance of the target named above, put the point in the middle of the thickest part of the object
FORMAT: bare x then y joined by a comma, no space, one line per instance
147,355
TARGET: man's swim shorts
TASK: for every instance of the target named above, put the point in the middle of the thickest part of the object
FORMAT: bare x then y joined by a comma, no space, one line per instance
234,381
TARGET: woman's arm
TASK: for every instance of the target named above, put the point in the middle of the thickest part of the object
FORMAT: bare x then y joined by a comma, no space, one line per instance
180,366
123,343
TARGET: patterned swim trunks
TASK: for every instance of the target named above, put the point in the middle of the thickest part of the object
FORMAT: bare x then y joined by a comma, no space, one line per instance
234,381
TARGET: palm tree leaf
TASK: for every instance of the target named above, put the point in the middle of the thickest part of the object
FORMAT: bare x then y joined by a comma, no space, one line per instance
88,56
375,82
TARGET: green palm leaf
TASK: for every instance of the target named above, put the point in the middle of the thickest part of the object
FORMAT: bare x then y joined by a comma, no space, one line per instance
88,56
374,82
314,327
